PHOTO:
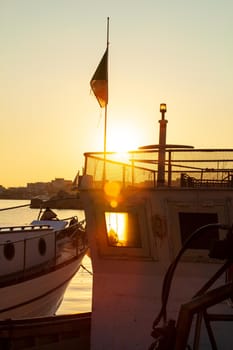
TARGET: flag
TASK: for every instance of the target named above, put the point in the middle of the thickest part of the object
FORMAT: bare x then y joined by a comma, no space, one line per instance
99,81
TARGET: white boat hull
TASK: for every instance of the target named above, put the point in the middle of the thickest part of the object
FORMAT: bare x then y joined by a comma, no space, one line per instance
37,262
38,296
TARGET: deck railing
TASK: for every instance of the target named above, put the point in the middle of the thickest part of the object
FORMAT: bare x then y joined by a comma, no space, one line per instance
182,168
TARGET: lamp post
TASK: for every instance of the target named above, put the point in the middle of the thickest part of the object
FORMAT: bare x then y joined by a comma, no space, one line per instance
162,146
163,109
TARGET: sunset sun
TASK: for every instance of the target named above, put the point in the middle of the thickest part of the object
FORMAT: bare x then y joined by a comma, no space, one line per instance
122,139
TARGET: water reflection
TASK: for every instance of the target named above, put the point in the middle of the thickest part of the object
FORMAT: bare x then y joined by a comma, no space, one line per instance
78,296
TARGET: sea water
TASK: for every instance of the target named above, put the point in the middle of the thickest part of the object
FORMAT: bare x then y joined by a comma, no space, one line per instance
78,295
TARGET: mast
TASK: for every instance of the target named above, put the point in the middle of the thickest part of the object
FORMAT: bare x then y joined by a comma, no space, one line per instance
106,106
99,85
106,110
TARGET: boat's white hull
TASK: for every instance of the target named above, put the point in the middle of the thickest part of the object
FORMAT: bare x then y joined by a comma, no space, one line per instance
38,296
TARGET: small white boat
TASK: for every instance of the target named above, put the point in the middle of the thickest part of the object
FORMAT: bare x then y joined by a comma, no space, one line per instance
37,263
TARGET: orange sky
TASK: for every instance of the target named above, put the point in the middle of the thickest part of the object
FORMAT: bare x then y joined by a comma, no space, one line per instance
179,52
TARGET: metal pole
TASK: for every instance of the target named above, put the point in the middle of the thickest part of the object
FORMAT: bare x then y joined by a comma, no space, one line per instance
162,147
106,109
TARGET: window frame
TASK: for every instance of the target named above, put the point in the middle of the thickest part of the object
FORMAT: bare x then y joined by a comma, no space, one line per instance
147,251
174,208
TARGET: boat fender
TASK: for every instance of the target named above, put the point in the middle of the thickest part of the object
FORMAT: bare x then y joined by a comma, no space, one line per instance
42,246
158,226
9,250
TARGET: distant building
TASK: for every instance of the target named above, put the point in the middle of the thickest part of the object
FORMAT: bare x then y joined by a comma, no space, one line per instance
2,189
38,189
60,184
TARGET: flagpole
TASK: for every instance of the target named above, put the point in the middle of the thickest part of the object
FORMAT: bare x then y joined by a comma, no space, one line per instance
106,106
106,110
99,85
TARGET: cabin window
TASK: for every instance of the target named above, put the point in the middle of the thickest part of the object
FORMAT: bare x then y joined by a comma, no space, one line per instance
185,217
124,233
189,222
122,230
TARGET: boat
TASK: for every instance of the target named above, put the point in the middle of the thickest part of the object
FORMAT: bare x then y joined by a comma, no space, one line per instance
53,332
159,226
37,263
160,234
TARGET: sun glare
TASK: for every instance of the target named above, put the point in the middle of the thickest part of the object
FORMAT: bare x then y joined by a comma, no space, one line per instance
122,139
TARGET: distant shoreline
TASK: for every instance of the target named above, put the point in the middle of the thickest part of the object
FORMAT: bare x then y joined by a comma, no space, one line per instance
53,203
61,203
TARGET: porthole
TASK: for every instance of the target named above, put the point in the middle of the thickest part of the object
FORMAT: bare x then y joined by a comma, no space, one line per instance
9,251
42,246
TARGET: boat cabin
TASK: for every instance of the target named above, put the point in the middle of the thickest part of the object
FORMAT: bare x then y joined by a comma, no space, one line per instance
140,212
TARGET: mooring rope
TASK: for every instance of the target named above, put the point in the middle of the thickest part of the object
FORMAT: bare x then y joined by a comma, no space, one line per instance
18,206
84,268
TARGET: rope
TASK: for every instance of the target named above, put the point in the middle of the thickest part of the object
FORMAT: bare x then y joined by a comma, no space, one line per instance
18,206
84,268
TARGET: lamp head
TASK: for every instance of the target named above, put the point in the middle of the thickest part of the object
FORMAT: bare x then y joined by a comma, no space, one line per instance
163,107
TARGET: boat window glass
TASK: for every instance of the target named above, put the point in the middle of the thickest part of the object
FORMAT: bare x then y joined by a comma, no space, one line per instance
122,229
189,222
